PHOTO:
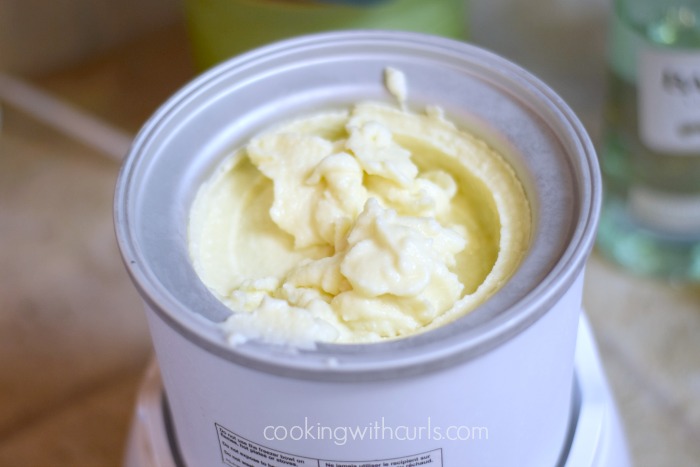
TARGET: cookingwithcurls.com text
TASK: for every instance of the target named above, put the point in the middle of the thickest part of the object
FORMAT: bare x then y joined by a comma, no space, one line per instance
377,430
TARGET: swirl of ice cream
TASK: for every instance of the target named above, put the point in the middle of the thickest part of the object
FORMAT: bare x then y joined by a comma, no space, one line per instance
357,226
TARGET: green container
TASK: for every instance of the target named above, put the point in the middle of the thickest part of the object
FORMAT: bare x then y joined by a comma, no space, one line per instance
220,29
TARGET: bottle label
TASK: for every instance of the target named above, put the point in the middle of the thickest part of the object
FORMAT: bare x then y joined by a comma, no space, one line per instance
669,100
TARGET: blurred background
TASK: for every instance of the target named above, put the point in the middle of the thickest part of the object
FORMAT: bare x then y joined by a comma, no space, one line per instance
77,80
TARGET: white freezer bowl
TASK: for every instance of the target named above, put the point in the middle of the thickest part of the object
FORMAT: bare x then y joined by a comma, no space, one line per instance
596,437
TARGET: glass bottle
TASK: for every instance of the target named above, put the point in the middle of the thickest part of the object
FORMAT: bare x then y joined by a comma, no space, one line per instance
650,154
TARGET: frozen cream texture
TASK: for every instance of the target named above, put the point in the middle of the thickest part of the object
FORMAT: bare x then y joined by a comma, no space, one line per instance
357,226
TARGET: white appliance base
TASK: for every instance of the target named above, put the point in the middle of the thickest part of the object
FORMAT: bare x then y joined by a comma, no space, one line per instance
596,440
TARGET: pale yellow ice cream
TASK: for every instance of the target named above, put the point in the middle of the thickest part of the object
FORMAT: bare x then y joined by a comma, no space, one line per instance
357,225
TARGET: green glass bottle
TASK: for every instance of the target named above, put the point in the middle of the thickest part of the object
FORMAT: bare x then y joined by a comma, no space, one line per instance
650,154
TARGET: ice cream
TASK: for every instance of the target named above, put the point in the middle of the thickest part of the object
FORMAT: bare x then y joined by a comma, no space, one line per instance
357,225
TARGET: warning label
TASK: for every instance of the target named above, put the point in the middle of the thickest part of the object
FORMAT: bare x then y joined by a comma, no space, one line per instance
237,451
